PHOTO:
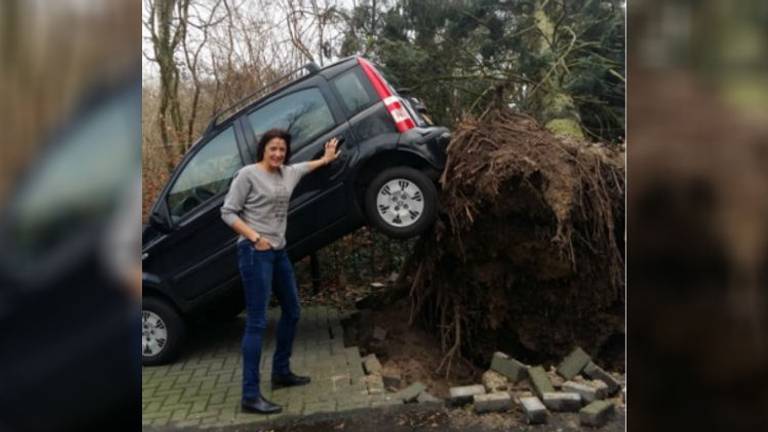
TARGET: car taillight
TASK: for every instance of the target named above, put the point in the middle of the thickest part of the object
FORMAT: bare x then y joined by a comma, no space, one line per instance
394,104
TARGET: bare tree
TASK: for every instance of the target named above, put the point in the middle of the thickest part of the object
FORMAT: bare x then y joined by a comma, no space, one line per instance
192,58
166,22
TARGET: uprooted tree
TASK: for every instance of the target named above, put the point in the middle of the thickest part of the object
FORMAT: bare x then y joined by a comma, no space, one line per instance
527,255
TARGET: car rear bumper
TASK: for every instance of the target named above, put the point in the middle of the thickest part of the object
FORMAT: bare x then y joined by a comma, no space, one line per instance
429,142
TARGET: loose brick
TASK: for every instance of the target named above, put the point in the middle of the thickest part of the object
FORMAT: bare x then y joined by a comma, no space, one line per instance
499,401
535,412
463,394
588,394
509,367
540,381
410,393
427,398
371,364
573,363
597,413
595,372
559,401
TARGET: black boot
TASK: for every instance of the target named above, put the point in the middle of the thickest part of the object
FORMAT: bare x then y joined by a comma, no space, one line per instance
260,406
289,380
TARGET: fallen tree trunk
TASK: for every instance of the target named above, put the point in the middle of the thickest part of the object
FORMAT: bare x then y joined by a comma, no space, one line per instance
527,256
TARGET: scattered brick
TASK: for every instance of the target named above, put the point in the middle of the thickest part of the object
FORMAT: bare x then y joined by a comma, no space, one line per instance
499,401
509,367
464,394
410,393
371,364
595,372
597,413
540,381
573,363
587,393
560,401
535,412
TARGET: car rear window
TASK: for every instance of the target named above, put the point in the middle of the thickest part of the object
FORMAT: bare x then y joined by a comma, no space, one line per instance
305,114
352,91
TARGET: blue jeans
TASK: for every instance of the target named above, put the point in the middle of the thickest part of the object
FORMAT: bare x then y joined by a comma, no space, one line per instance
261,272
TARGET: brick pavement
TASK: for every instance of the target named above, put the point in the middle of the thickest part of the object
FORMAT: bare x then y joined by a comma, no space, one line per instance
203,387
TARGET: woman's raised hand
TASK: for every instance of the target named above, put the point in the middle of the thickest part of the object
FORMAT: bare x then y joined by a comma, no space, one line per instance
331,150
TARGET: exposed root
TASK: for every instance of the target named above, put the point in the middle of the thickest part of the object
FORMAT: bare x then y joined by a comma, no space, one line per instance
526,251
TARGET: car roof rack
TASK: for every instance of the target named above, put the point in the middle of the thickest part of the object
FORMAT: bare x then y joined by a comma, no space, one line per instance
311,68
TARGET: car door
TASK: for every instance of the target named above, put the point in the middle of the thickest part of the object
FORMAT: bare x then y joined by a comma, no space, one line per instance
311,117
198,254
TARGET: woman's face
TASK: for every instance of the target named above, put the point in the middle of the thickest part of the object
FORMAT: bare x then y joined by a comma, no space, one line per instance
274,152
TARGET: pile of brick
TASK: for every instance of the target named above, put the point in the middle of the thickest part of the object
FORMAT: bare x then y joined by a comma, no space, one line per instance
576,385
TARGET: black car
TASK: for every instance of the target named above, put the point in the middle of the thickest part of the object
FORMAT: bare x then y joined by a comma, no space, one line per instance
391,157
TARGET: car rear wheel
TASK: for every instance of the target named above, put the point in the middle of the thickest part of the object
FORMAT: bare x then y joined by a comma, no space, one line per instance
162,332
401,202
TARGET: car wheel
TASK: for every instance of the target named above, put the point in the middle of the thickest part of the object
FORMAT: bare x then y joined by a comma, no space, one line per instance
401,202
162,332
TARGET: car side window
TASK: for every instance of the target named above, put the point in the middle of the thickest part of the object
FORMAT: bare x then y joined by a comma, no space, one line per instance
305,114
207,174
352,91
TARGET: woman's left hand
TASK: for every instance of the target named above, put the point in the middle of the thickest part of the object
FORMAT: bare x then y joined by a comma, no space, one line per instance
331,151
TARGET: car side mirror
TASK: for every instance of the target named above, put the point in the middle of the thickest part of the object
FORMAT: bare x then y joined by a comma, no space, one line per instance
157,221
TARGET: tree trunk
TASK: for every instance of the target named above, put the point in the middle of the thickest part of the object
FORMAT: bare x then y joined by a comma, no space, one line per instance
553,105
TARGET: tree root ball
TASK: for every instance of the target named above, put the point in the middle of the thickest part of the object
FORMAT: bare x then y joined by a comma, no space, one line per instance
527,255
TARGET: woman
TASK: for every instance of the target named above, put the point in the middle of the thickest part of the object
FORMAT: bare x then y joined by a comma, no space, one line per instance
256,207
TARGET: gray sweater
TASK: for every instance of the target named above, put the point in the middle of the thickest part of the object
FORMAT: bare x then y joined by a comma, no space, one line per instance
260,199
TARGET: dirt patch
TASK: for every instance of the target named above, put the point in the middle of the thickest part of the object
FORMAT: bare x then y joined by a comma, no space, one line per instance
408,353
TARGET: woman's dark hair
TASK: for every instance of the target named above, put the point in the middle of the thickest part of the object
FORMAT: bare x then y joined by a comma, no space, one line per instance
267,137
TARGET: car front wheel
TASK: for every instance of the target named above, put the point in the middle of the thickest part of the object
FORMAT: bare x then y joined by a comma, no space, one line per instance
401,202
162,332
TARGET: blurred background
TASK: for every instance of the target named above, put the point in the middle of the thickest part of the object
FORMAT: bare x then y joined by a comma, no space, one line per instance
70,214
697,215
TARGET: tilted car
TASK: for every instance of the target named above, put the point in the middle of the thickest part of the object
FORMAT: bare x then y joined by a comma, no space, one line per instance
391,158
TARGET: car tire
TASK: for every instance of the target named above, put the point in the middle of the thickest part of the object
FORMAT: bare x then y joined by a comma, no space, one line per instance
163,331
401,202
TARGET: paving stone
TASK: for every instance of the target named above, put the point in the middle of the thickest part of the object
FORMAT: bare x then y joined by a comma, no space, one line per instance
595,372
540,381
588,393
597,413
371,364
573,363
203,388
489,402
410,393
463,394
386,402
352,405
427,398
374,383
319,407
560,401
509,367
535,411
